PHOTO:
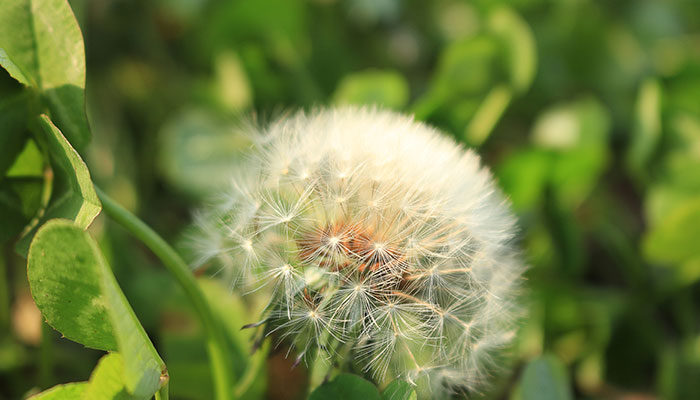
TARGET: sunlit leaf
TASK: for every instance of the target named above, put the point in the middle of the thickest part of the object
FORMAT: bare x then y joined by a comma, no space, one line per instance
519,44
68,391
73,196
76,292
41,46
107,380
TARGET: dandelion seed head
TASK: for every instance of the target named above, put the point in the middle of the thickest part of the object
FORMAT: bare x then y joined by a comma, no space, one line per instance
373,231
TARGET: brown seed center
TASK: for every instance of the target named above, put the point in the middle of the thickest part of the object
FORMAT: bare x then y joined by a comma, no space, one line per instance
340,245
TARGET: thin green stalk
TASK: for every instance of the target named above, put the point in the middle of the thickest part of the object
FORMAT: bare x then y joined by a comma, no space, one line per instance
163,393
217,347
46,356
4,295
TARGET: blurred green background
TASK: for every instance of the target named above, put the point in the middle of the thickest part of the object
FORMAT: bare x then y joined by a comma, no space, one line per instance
587,111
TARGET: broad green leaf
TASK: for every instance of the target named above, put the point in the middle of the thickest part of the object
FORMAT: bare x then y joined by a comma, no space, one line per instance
199,150
67,391
519,46
78,295
73,196
107,380
41,46
545,379
66,285
346,387
399,390
674,239
373,87
647,126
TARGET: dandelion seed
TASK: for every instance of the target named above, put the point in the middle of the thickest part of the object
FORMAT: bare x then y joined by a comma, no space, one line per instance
372,231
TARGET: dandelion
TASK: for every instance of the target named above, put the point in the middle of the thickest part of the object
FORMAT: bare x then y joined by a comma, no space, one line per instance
376,234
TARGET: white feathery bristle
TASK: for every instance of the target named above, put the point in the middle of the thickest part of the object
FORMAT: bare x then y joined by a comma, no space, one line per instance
372,231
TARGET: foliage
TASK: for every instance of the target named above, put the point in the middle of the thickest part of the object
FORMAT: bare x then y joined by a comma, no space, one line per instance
587,111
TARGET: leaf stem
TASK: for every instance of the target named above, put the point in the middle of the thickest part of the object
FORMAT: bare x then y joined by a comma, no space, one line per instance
4,294
217,347
46,356
163,393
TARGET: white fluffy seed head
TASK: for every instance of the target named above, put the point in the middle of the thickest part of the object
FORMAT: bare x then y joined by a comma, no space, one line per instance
374,233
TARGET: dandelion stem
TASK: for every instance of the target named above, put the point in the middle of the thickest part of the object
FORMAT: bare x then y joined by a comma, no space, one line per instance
216,343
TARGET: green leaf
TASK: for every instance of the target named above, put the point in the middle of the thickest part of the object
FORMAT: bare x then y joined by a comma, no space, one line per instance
12,68
107,380
385,88
66,285
41,46
545,379
399,390
674,238
76,292
519,44
346,387
68,391
74,196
